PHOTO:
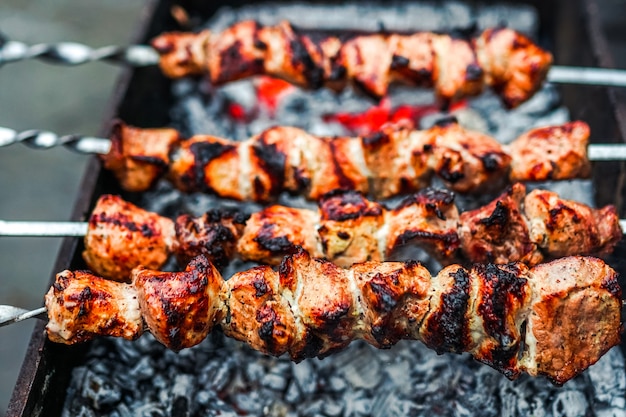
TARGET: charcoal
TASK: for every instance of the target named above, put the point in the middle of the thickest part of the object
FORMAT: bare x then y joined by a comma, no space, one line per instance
274,382
98,391
305,377
222,377
293,394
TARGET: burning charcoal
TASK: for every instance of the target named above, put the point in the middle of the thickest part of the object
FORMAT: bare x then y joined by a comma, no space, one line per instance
570,404
293,395
357,404
332,408
121,411
99,391
312,409
251,402
336,384
274,382
182,394
361,370
143,370
148,410
606,383
305,376
216,375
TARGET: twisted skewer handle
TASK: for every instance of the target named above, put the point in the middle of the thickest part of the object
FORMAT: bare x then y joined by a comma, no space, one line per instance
43,139
72,53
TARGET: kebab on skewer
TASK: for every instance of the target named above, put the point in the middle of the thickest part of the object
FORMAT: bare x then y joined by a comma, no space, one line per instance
499,58
555,319
346,229
394,160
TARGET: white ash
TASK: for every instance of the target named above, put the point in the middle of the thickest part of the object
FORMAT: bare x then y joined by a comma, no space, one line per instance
221,377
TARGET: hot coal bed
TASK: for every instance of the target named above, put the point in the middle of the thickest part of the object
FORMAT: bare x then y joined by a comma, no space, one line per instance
222,377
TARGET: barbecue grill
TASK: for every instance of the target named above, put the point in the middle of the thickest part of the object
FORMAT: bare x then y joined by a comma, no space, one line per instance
143,97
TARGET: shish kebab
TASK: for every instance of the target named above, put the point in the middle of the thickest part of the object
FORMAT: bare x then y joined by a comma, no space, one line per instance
499,58
346,229
393,160
554,320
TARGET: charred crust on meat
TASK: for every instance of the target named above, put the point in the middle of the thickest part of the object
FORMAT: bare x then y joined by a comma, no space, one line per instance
267,240
121,220
449,240
386,299
312,72
260,286
269,321
204,153
337,73
344,182
272,162
611,284
446,121
313,345
302,180
448,174
342,205
399,61
431,198
447,326
343,235
374,139
555,213
491,161
233,64
499,216
259,44
473,72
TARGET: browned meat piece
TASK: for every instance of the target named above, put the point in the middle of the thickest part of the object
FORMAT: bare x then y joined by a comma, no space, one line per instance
427,218
397,159
81,305
139,157
349,228
277,231
180,308
214,234
562,227
394,160
500,58
512,64
551,153
554,320
467,161
121,236
573,316
499,232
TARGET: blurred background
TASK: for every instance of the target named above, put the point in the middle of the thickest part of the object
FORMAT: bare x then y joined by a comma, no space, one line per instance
42,185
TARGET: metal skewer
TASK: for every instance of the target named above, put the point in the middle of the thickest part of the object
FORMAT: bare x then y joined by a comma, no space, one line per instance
42,139
73,229
10,314
73,53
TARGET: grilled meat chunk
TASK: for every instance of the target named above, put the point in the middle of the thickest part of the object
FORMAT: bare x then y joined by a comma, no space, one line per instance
81,305
555,319
551,153
348,228
561,226
499,231
121,236
394,160
502,59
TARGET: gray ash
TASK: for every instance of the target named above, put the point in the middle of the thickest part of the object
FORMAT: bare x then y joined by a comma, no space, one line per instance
222,377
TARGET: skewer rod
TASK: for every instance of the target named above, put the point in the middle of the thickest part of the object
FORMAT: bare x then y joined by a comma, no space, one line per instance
589,76
10,314
72,229
42,229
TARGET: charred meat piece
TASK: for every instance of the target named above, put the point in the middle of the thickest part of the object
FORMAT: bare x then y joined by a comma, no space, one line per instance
348,228
121,236
554,320
499,231
502,59
394,160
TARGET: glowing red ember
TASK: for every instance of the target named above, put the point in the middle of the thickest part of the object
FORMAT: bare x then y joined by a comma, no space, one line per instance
373,118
